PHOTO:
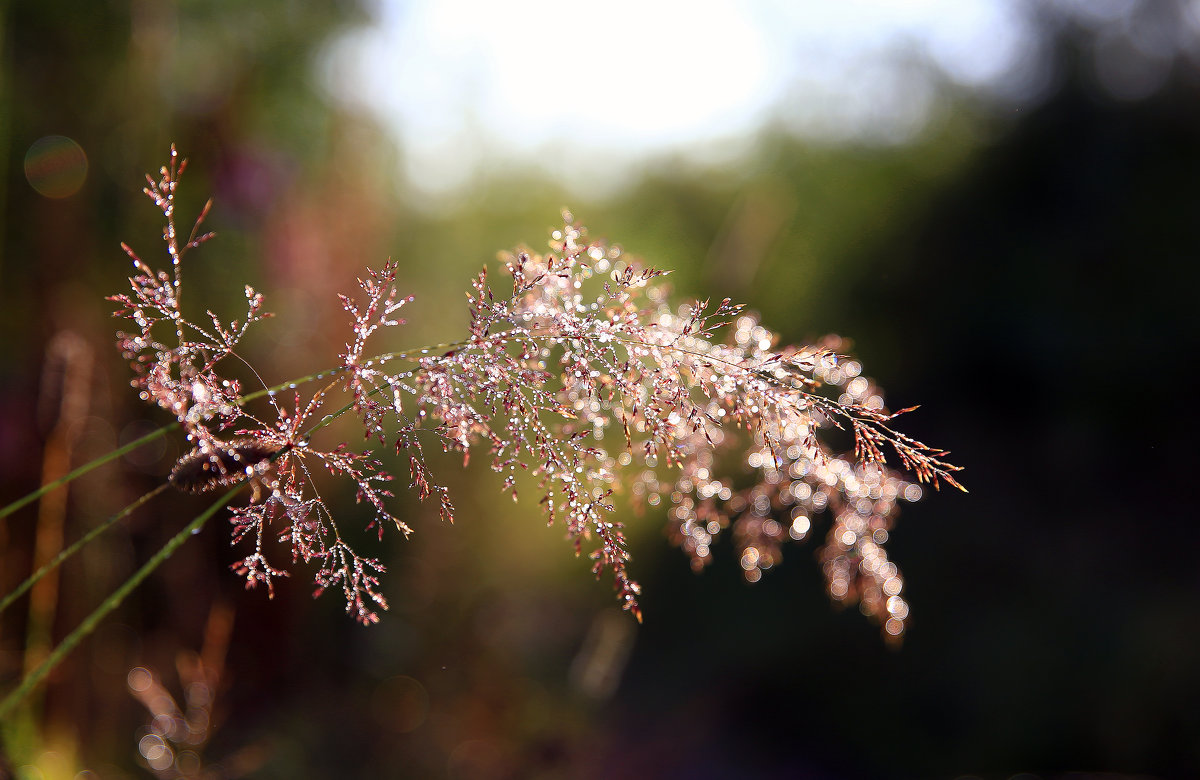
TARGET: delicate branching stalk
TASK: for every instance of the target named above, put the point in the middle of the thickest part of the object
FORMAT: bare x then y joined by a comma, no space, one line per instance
581,377
163,430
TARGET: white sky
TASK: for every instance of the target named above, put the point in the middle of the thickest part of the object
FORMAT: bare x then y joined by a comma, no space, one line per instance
600,86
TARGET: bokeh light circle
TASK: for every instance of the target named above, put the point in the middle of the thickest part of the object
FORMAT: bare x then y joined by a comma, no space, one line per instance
56,166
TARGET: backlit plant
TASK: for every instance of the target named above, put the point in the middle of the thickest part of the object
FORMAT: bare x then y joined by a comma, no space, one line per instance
577,372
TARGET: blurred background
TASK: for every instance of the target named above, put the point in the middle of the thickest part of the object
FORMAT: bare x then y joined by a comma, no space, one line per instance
997,201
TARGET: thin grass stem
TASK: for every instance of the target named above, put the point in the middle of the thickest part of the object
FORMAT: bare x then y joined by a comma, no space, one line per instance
88,625
85,468
59,559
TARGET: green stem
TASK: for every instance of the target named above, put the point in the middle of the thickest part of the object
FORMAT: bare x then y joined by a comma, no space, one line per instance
109,604
85,468
21,589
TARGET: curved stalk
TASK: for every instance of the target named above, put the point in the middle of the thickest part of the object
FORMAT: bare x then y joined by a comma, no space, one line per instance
88,625
30,581
85,468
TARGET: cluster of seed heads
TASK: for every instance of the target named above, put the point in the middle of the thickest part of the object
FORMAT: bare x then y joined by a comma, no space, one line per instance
578,381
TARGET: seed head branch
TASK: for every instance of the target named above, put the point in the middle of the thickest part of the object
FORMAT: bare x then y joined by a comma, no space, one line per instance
580,382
